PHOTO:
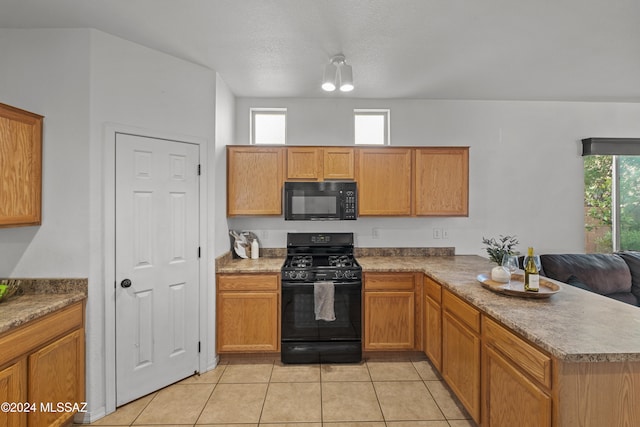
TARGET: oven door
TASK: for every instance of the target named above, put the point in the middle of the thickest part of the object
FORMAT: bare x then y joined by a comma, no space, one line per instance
298,316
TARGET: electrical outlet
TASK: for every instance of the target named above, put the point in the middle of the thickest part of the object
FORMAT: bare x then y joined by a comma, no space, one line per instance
375,233
437,233
445,233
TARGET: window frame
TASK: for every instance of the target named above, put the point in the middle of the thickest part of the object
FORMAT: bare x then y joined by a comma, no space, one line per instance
385,112
276,111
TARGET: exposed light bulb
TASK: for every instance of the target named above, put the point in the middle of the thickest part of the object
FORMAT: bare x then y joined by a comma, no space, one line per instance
346,78
329,77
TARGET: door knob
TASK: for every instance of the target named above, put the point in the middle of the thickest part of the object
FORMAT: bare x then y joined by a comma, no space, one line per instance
125,283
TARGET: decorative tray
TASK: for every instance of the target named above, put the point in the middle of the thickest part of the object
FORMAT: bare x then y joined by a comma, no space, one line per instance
516,286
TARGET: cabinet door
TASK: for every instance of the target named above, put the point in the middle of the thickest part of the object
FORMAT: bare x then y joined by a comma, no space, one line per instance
254,180
433,332
510,398
304,163
13,388
433,321
56,374
442,181
461,361
338,163
20,167
384,178
248,321
389,320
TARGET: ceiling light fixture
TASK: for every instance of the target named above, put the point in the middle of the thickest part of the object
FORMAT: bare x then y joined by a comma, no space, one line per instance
337,74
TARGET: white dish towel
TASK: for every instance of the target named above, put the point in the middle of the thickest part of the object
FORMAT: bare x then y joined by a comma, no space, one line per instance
323,299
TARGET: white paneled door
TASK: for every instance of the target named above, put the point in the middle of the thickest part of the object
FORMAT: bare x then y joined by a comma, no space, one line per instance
157,263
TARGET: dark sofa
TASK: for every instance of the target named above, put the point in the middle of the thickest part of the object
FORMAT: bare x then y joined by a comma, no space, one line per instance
615,275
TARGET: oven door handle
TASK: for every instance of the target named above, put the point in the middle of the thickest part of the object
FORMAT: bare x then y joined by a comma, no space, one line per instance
349,285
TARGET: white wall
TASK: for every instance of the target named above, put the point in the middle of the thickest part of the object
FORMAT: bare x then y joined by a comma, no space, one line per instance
512,144
84,82
133,87
47,72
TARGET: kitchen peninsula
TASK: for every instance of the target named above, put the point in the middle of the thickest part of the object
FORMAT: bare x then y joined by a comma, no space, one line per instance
570,360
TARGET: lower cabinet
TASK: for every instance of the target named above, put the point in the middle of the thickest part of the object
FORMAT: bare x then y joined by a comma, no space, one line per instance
516,380
433,322
13,380
389,311
42,366
461,351
56,375
247,313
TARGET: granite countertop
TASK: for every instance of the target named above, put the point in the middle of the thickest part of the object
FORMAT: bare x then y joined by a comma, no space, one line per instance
573,325
40,297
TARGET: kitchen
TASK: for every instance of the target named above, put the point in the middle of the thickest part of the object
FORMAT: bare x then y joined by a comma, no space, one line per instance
84,93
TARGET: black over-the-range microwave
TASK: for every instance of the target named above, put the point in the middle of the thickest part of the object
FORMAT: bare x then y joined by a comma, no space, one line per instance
325,200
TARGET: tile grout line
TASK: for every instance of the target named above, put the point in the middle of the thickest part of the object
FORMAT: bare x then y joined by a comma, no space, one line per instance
266,393
375,391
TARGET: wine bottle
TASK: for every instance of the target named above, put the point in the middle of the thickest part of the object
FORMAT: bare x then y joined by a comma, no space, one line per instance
531,274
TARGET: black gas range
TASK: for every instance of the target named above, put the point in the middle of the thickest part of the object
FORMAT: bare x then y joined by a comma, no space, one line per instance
321,299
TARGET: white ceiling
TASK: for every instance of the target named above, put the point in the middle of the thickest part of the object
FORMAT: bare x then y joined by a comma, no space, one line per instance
570,50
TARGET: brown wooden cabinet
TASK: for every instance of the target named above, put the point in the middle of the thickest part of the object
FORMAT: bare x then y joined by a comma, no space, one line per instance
461,351
320,163
516,380
56,374
248,313
389,311
433,321
384,178
442,181
20,167
13,389
255,176
392,181
339,163
42,362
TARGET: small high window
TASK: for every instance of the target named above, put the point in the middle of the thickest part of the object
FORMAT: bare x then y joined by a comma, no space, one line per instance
268,125
371,127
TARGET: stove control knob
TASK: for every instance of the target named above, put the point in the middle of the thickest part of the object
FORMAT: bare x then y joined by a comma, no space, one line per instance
339,274
293,275
302,275
348,274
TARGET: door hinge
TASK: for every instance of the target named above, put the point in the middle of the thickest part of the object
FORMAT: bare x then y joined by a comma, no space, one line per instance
198,251
199,346
199,170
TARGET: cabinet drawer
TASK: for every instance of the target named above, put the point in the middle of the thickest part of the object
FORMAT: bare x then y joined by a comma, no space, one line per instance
35,334
433,289
520,352
461,310
248,282
389,281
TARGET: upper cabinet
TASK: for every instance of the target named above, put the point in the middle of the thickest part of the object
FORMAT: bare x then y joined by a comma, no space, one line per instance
384,181
320,163
254,180
20,167
442,181
392,181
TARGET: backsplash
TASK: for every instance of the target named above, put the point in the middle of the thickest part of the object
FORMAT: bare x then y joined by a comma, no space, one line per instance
358,252
362,252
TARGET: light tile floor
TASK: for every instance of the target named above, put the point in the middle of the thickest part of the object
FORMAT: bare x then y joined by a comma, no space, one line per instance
375,393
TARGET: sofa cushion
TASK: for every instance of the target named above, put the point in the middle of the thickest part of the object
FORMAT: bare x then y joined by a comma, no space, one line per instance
575,282
601,273
632,259
627,297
